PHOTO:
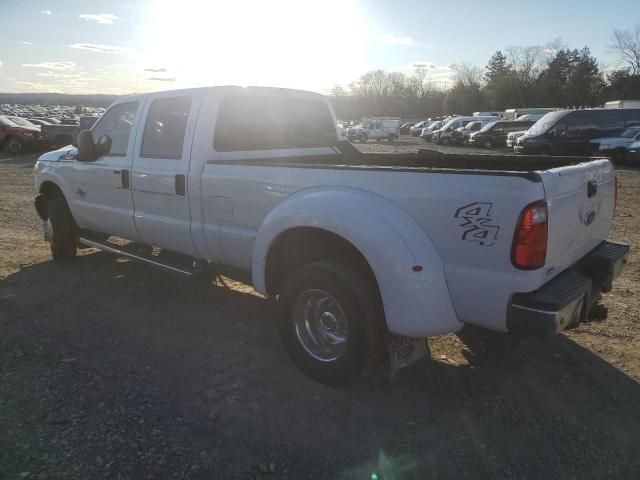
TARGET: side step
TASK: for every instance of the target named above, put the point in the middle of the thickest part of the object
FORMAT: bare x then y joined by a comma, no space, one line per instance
193,273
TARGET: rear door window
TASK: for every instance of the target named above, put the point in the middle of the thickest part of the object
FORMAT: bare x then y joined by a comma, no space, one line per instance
262,122
165,127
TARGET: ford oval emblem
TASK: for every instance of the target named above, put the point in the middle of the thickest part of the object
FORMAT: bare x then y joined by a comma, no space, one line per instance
589,217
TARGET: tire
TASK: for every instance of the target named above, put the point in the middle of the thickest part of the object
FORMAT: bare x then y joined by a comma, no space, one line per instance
353,310
391,138
362,138
63,240
14,145
618,157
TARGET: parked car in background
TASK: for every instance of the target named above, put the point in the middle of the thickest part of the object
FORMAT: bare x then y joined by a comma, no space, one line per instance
488,114
531,116
17,138
512,137
622,104
633,154
37,121
417,128
62,135
460,136
375,128
568,132
427,132
443,134
405,128
494,134
22,122
616,147
514,113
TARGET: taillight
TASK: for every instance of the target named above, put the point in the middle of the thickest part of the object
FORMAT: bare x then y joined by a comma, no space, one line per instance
529,249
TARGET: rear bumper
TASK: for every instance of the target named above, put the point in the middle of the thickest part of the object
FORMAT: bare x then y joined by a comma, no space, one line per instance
568,298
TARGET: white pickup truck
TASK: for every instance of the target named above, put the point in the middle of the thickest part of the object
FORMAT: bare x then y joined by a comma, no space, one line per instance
361,253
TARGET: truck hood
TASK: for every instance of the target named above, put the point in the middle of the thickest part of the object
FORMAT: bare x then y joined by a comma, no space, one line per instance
65,153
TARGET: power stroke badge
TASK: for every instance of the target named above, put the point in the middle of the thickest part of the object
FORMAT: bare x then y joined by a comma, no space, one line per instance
477,224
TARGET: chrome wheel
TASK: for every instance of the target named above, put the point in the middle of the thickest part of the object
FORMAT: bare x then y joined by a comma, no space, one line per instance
321,325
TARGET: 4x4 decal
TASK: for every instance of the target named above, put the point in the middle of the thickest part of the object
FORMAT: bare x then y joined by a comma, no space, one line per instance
477,225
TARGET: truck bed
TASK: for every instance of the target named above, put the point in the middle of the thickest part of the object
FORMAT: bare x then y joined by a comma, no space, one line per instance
430,159
424,160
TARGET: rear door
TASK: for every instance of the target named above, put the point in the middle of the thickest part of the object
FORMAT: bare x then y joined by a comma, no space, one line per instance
161,170
580,201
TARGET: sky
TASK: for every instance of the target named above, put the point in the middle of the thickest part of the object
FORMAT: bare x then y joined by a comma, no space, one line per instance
127,46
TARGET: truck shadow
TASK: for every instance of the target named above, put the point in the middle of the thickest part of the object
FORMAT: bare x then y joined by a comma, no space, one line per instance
204,363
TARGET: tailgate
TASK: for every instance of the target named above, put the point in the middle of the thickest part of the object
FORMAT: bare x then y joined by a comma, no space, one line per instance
580,202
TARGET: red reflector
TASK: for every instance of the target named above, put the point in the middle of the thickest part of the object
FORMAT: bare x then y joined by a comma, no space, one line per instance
530,242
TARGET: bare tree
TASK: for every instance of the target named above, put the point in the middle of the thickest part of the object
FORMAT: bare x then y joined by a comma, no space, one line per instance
627,46
467,74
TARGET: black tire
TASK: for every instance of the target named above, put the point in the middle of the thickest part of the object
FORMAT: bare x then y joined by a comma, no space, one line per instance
355,293
63,239
391,138
14,145
618,157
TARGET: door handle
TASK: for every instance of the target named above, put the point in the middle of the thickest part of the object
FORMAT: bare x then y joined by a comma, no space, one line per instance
180,185
124,179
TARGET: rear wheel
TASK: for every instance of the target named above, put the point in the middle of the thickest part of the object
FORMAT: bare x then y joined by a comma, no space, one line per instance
331,321
14,145
61,230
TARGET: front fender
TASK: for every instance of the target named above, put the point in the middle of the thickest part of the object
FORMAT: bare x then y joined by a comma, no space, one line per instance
416,303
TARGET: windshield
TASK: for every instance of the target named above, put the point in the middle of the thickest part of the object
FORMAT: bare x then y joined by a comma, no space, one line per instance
6,122
545,123
487,127
630,132
23,122
434,126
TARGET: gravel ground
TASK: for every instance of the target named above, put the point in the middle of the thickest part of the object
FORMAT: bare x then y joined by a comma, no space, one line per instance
109,369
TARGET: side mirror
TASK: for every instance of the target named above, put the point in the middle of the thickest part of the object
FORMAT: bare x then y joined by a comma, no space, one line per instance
86,147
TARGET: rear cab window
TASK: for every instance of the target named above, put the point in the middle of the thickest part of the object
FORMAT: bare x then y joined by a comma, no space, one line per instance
272,122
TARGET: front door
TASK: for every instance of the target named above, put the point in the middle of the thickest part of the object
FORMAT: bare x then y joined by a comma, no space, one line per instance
100,196
161,171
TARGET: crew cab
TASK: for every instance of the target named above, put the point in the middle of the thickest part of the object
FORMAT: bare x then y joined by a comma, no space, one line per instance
362,254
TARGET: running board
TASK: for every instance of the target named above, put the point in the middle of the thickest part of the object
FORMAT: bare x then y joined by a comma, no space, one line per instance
115,249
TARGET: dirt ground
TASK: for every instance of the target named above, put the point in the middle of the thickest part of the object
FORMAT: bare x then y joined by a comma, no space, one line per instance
109,369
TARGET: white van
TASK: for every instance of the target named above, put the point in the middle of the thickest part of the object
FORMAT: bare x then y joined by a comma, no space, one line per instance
378,128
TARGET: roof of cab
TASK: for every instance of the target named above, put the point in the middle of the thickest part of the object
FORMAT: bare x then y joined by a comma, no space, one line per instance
231,89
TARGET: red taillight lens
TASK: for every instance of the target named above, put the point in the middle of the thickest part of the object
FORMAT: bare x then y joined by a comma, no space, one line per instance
530,241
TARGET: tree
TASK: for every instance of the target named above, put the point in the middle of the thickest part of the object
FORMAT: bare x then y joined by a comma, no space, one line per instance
626,44
501,83
586,82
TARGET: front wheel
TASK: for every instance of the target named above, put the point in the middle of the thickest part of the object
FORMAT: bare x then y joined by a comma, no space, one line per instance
14,145
363,137
331,321
60,230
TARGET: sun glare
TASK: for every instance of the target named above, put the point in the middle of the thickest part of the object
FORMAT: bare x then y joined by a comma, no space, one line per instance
284,43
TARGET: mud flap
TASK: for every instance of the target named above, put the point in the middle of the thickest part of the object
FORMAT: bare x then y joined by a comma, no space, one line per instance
404,351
